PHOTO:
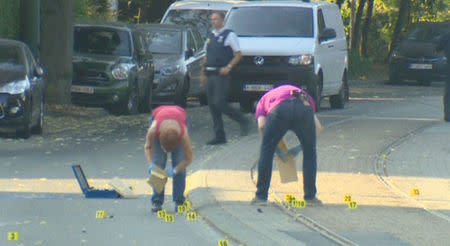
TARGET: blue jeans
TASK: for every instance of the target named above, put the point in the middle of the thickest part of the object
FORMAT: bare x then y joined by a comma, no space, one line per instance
179,180
289,115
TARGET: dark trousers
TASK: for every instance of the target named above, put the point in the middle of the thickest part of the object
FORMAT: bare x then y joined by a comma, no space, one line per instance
446,99
289,115
217,93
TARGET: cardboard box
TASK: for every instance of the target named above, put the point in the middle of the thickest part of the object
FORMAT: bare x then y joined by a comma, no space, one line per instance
287,169
158,179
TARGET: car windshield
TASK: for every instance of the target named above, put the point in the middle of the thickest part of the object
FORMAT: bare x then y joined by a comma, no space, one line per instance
195,17
102,41
165,41
427,33
271,21
12,65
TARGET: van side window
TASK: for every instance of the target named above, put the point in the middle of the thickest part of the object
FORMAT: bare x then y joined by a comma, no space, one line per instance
320,21
198,40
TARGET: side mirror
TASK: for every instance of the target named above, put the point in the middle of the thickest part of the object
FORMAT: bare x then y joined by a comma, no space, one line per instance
189,53
327,34
39,71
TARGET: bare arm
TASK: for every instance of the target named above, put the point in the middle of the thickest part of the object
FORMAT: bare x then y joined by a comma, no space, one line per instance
150,142
261,123
227,69
188,155
318,126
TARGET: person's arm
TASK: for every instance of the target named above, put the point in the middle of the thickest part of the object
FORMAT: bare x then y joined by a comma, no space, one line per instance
227,69
318,126
188,155
261,123
150,142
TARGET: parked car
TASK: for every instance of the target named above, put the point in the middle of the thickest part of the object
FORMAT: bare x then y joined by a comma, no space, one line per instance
178,53
21,89
112,67
300,43
196,13
415,57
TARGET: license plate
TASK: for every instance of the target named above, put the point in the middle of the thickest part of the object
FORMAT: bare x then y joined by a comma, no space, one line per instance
82,89
257,87
420,66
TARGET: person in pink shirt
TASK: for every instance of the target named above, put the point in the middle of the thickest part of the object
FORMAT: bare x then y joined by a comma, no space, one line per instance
284,108
168,133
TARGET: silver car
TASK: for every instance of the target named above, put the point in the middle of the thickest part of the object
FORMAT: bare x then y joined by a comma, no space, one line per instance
178,52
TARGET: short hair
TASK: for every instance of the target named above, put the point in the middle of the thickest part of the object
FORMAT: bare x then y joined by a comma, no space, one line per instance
220,13
169,139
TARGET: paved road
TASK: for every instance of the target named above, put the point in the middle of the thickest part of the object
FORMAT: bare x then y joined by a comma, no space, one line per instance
42,202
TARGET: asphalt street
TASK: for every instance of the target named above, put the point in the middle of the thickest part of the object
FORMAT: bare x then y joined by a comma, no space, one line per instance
386,141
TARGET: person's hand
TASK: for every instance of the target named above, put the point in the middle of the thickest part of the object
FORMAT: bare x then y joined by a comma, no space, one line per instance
171,172
151,167
225,70
295,150
202,80
281,154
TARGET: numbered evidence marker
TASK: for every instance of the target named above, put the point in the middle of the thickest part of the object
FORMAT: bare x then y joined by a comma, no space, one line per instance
101,214
347,198
188,204
352,205
191,216
298,203
13,236
289,197
181,209
169,218
223,242
161,214
414,192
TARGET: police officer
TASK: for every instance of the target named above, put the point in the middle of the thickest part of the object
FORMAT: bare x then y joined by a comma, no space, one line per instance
222,54
444,44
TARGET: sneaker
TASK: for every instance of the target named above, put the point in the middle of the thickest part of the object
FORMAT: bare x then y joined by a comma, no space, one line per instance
156,207
216,141
313,202
256,201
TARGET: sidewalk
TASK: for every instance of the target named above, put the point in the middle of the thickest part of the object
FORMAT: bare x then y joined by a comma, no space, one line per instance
222,189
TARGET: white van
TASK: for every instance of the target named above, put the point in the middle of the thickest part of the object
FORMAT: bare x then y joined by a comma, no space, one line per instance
196,12
294,42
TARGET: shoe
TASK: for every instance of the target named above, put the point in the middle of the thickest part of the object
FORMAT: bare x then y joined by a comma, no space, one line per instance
216,141
313,202
256,201
156,207
245,128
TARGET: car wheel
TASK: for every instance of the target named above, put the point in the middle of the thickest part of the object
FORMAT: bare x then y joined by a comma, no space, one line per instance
203,99
338,101
246,105
424,82
181,94
132,105
394,78
38,128
314,89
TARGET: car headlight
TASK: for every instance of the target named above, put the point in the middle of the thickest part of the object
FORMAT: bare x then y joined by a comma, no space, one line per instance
301,60
166,71
15,87
121,71
395,54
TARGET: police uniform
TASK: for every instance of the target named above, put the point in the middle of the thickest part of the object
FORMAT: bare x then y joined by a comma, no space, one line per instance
444,44
220,48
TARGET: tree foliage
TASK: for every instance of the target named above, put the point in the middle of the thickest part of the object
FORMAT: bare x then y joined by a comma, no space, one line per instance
9,19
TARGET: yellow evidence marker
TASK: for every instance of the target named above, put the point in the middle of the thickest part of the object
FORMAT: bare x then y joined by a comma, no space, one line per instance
101,214
13,236
414,192
352,205
161,213
223,242
181,209
169,218
347,198
191,216
298,204
188,204
289,197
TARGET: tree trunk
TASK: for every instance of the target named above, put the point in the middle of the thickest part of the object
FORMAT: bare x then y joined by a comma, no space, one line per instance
366,28
351,5
354,40
56,48
402,13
